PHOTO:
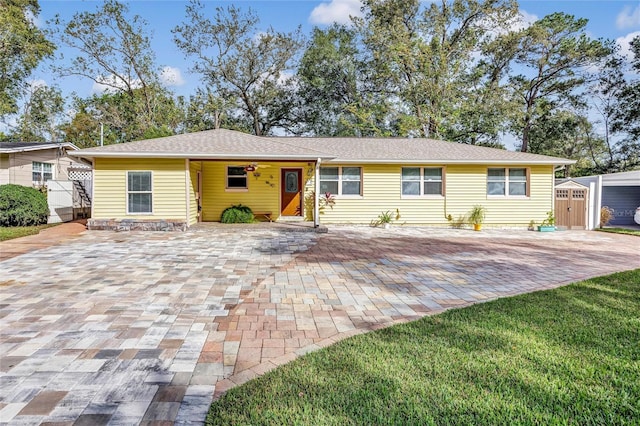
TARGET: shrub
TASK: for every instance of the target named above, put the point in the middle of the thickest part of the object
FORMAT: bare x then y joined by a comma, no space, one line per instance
22,206
237,214
606,215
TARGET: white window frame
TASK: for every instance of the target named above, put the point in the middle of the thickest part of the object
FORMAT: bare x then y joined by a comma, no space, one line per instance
42,171
129,212
422,182
507,182
341,180
235,188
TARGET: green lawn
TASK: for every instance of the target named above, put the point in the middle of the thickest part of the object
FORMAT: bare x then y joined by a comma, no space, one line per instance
9,233
620,231
565,356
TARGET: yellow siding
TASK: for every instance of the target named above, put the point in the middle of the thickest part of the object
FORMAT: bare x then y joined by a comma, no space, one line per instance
465,187
263,192
110,188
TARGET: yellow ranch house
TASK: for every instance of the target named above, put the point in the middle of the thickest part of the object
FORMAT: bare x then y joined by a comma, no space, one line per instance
177,181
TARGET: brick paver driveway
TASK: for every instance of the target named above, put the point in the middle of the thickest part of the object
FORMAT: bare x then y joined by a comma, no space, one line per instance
132,328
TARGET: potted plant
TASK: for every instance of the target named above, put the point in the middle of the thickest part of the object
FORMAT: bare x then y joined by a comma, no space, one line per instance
549,224
385,219
476,216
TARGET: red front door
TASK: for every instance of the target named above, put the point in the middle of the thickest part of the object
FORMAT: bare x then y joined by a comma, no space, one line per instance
291,192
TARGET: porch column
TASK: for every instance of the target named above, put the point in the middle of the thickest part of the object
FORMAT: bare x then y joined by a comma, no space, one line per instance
316,192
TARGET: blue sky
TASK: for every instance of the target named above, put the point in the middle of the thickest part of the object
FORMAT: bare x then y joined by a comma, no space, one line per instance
613,19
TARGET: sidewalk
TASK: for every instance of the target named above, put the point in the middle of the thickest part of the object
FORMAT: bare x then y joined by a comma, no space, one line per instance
46,238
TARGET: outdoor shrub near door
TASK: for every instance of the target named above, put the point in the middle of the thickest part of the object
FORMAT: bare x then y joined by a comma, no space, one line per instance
22,206
237,214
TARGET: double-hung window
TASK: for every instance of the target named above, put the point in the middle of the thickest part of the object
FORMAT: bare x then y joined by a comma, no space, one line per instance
341,180
236,178
509,182
417,181
139,192
41,172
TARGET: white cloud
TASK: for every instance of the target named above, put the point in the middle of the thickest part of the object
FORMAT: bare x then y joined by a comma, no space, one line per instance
111,84
35,20
338,11
524,20
624,43
34,84
628,18
171,76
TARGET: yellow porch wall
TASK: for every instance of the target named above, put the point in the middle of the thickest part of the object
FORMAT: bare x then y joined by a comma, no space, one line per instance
465,187
110,188
263,193
194,168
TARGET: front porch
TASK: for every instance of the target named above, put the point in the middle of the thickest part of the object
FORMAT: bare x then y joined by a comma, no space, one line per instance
276,191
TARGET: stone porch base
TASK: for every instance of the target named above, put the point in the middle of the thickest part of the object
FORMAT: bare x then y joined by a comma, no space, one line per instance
136,225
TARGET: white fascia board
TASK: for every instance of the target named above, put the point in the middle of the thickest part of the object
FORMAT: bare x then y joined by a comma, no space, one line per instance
439,162
198,156
39,147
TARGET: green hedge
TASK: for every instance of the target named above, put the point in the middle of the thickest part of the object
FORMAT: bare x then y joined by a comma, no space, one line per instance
237,214
22,206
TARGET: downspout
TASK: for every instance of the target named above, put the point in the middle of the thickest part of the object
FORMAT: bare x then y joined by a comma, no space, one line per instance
187,181
316,192
553,187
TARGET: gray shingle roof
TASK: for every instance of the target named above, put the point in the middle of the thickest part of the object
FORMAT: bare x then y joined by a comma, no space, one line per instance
8,147
213,144
228,144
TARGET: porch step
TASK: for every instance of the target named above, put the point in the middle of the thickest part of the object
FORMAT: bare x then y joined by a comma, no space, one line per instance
290,219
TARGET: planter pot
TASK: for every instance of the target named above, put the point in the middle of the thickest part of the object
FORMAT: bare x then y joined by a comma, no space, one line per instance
546,228
386,226
477,227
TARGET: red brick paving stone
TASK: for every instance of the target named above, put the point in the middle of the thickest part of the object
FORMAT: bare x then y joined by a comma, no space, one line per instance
210,357
210,346
272,352
43,403
273,343
251,343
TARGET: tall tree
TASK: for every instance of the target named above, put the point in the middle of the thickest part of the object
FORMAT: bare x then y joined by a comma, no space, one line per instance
420,54
205,111
22,47
566,134
334,85
626,117
238,61
41,115
555,51
118,114
115,52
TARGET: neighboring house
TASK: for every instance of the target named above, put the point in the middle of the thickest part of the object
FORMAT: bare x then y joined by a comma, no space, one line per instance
620,191
34,163
176,181
48,165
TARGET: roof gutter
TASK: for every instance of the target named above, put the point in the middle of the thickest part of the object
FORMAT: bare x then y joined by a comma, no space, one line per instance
563,162
196,156
38,148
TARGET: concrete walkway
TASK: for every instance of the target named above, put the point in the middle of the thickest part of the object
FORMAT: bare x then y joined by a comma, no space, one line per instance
147,328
